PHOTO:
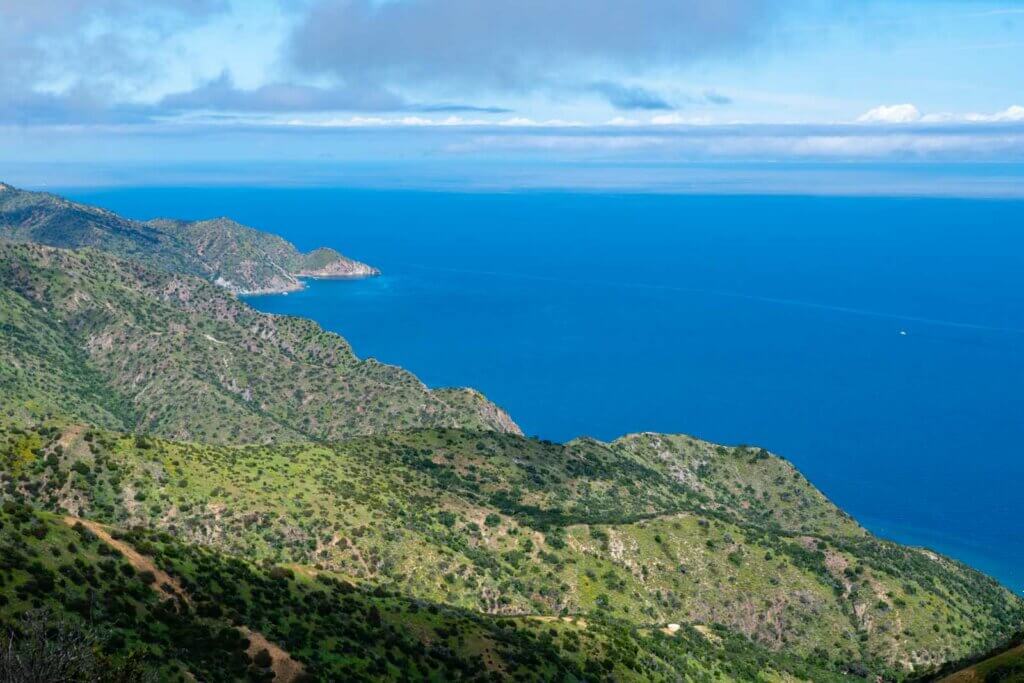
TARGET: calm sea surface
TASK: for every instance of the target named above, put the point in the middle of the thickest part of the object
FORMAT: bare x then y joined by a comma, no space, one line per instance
876,343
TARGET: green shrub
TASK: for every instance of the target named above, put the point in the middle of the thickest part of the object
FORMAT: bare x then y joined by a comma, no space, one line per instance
263,659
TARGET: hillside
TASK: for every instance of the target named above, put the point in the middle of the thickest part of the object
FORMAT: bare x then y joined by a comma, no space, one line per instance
186,482
1005,667
239,258
130,606
250,261
647,531
114,343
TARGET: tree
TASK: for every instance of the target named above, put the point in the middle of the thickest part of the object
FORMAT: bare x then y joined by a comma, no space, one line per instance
48,649
262,659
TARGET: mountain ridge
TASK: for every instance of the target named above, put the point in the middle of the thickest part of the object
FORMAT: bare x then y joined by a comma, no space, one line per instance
239,258
144,349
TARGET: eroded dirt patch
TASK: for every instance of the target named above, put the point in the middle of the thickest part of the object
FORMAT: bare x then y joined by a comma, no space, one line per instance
285,668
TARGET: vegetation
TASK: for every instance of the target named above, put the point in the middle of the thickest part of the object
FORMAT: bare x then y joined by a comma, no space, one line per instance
647,531
237,257
192,490
1003,666
103,617
110,342
246,260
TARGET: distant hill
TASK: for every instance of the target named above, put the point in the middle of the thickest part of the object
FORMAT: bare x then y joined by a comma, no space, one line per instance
236,257
253,261
116,343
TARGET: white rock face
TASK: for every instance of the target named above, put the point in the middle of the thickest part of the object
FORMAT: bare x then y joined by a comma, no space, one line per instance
343,267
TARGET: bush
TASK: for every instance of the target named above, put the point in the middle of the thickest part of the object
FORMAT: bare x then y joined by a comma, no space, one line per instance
48,650
281,574
262,659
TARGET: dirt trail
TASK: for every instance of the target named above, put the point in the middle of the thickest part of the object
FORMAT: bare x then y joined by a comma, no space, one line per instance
285,668
70,436
166,584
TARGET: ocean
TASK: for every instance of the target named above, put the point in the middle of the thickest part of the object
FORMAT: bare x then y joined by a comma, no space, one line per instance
876,343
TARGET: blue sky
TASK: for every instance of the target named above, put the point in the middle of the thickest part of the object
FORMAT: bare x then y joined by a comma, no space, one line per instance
577,81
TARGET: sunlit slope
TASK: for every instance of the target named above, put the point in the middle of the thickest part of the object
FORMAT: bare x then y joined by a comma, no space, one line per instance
115,343
649,531
139,605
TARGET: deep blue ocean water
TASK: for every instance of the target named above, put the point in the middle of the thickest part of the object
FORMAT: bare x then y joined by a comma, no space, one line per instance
876,343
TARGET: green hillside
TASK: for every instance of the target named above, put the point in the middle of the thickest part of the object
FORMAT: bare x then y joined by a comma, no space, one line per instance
138,605
648,531
237,257
248,260
110,342
1005,667
193,490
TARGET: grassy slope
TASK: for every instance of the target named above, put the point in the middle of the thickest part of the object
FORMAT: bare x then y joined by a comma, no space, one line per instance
1006,667
650,530
111,342
334,629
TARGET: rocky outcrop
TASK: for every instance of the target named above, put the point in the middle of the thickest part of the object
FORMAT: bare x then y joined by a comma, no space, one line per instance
341,268
472,402
328,263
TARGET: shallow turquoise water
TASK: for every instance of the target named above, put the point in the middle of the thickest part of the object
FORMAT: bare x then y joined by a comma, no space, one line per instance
876,343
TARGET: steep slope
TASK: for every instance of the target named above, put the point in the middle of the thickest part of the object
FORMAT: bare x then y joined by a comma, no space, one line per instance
683,533
48,219
112,342
1004,667
237,257
247,260
174,612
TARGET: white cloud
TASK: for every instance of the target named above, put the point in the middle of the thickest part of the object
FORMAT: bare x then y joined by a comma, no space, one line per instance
679,120
1014,113
908,113
891,113
522,122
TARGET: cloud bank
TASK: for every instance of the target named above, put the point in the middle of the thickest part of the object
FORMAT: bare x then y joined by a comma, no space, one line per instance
74,60
895,113
222,94
515,43
908,113
576,80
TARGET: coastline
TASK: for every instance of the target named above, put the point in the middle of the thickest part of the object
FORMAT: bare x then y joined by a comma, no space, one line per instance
951,545
300,282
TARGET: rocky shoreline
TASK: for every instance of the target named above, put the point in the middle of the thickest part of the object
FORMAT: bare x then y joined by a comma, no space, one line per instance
298,284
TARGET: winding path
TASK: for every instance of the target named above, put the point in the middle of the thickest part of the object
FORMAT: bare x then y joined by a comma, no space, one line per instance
285,668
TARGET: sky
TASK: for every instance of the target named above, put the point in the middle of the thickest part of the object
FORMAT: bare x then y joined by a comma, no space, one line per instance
468,83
